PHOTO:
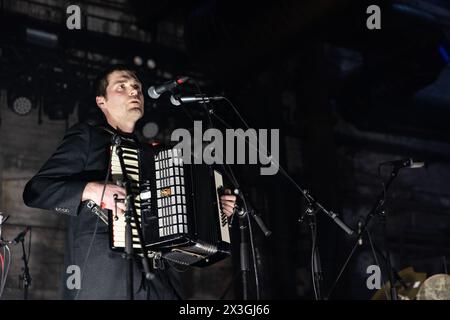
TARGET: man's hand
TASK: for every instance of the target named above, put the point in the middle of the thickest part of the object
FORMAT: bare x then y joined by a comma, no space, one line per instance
228,201
93,191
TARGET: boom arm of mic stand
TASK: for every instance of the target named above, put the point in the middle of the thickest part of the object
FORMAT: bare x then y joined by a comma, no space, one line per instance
249,210
336,219
243,251
331,214
260,223
314,204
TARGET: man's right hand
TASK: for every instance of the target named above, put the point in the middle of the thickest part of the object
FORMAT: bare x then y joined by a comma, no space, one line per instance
93,191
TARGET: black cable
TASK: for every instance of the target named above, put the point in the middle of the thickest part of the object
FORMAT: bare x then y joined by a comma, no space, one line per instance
283,171
382,184
313,251
237,112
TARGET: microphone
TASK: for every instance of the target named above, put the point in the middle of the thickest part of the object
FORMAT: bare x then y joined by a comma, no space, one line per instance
21,235
405,163
178,100
155,91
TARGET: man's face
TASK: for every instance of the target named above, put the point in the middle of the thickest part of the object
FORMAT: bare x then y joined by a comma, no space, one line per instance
124,101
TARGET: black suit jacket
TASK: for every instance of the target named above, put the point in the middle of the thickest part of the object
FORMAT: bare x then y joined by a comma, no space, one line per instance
83,156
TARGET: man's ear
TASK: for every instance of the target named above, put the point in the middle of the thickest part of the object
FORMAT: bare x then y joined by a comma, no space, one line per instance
100,100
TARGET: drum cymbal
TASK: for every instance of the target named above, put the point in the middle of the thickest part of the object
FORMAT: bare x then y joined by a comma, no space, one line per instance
407,290
436,287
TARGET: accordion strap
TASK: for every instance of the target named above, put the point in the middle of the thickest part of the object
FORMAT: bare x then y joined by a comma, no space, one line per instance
107,130
129,137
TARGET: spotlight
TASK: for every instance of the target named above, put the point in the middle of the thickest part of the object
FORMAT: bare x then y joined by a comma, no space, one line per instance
22,105
20,101
20,95
150,130
137,61
151,64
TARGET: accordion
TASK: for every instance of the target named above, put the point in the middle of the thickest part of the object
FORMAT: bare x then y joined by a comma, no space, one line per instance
177,205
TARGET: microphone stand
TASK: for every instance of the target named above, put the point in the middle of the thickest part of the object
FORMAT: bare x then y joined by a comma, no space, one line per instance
305,194
316,268
244,256
314,205
25,277
376,209
244,222
310,211
130,214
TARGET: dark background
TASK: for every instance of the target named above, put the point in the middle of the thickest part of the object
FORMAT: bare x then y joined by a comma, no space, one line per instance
345,99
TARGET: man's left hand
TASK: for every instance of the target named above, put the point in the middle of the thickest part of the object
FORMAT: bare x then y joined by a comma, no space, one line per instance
228,202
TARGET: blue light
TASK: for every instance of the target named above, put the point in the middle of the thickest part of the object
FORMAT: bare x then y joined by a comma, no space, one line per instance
444,54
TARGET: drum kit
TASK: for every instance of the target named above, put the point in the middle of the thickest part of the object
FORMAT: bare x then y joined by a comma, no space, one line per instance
416,286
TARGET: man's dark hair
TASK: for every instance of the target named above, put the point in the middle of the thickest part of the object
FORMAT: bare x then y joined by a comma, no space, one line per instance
101,83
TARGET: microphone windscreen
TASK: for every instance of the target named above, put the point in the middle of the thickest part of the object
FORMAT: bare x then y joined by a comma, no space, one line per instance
174,101
417,164
152,93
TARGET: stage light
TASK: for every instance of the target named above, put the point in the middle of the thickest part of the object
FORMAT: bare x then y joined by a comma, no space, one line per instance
41,38
21,98
150,130
22,105
137,61
151,64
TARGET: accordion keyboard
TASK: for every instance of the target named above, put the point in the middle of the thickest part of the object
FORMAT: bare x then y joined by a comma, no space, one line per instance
131,161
